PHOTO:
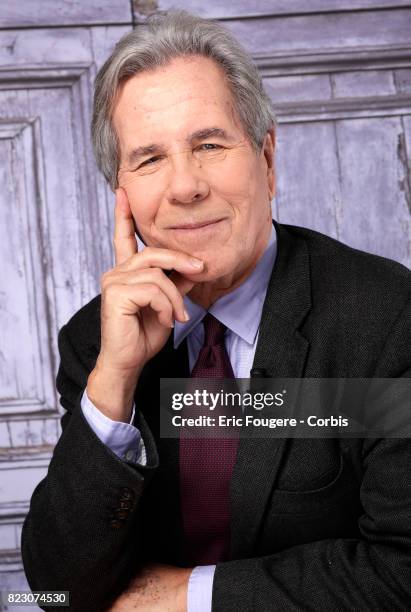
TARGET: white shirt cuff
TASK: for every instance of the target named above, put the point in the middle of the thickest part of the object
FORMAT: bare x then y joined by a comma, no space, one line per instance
122,438
200,589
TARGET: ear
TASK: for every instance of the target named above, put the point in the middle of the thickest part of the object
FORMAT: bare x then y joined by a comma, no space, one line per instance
268,152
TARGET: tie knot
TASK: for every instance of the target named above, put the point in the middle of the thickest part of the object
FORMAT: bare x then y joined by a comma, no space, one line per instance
214,330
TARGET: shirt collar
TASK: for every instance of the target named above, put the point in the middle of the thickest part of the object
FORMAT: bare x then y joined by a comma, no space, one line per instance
230,309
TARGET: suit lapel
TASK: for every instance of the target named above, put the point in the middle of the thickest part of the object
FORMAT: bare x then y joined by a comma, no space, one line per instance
281,351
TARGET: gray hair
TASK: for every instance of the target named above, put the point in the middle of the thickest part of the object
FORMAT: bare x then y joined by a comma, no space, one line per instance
163,37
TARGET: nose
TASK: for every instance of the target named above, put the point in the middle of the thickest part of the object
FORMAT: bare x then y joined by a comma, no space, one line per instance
187,183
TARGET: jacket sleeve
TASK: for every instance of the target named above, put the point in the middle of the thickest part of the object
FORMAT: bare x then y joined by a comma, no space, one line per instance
367,573
81,533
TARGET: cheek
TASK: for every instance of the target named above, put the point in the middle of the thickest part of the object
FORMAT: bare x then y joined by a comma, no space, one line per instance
232,175
239,184
144,208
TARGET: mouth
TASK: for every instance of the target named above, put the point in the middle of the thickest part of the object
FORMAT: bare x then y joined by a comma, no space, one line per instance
190,227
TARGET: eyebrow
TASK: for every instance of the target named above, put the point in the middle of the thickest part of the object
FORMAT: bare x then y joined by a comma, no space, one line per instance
213,132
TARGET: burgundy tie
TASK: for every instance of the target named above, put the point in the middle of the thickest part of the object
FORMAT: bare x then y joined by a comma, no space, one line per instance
206,465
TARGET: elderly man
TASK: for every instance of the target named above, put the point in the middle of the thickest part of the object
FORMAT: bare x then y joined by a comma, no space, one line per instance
129,520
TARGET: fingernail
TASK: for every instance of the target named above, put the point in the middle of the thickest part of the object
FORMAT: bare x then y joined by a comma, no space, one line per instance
196,263
186,315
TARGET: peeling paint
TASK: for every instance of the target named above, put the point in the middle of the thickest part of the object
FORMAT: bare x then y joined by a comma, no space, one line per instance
404,183
10,48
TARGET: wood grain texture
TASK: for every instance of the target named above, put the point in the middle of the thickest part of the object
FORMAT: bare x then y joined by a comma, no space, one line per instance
12,578
103,41
375,212
308,190
26,377
306,34
25,465
342,162
26,13
216,9
44,46
55,241
62,99
402,80
5,440
356,194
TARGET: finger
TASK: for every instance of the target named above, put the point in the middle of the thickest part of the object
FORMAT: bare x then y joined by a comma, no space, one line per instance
157,277
148,294
125,243
167,259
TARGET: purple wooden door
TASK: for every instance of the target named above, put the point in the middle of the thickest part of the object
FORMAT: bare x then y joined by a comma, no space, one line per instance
339,74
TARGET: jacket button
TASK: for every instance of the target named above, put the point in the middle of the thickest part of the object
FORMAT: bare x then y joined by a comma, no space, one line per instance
127,493
125,504
115,524
258,373
121,514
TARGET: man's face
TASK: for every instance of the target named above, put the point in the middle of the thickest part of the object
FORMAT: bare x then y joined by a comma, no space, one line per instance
185,159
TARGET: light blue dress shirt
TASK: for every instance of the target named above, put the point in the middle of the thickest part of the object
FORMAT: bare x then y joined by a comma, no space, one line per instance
240,310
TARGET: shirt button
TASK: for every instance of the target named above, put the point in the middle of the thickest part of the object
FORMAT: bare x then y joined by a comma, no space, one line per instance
130,455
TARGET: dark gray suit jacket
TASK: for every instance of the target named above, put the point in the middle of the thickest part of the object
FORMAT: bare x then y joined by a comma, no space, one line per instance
316,524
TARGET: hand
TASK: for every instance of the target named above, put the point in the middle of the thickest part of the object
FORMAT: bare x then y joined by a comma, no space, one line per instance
157,588
138,306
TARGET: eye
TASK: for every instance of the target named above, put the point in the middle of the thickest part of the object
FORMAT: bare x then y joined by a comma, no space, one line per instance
150,161
208,146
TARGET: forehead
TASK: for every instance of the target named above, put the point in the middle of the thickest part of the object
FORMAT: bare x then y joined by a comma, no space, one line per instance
183,95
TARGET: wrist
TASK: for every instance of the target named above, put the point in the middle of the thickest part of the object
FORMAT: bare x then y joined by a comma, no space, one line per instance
112,391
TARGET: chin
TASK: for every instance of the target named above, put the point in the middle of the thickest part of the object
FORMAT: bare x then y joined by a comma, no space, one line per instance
213,269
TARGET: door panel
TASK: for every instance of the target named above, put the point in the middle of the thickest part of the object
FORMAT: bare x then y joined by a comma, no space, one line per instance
55,242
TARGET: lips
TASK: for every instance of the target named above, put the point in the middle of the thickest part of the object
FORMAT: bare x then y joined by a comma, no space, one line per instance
191,226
